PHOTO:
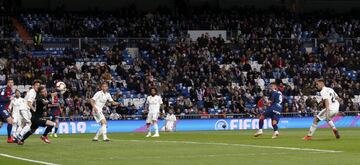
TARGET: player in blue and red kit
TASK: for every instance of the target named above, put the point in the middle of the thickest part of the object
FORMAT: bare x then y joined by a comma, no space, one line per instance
273,111
6,95
55,103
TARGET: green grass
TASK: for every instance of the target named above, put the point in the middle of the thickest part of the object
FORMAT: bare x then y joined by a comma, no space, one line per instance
134,148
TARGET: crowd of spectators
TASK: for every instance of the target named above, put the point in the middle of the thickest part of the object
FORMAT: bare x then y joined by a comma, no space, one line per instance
6,28
245,22
212,69
209,76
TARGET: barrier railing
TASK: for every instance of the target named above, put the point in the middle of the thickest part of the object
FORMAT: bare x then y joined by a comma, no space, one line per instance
79,43
209,116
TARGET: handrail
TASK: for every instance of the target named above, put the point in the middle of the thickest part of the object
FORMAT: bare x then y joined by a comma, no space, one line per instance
213,116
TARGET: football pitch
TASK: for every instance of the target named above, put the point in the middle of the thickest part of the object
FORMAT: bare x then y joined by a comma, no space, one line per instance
190,148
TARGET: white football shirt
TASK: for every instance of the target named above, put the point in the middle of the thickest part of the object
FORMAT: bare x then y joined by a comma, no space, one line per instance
18,104
330,94
100,99
30,97
170,121
171,118
154,103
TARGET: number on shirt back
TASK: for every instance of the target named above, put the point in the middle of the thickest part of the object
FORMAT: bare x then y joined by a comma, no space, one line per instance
280,97
332,95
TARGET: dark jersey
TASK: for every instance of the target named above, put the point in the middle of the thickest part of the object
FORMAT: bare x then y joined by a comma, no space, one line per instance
55,110
5,95
41,106
276,97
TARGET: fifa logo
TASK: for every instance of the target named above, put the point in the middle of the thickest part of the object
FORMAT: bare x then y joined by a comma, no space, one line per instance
221,125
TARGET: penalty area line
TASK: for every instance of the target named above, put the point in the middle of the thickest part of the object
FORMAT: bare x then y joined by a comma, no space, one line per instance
28,160
238,145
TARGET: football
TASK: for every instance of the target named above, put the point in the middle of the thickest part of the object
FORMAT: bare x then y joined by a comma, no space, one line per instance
61,86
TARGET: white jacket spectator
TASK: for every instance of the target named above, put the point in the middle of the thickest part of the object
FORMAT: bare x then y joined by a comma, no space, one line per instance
114,116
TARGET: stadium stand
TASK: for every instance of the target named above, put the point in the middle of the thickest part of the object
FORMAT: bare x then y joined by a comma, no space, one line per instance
211,75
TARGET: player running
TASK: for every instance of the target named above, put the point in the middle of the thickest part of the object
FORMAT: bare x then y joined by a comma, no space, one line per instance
98,102
55,111
26,114
16,105
153,104
331,100
5,116
38,119
273,111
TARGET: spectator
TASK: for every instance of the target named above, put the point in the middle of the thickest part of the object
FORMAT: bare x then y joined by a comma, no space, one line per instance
114,115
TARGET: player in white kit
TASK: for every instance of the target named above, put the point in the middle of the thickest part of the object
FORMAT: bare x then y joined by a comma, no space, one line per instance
170,122
153,104
98,102
26,113
16,105
331,100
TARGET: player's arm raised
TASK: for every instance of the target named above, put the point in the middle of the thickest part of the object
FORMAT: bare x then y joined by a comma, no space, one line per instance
114,103
111,100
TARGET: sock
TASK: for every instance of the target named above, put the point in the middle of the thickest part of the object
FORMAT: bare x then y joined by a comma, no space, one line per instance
148,128
275,127
261,123
104,131
14,129
18,131
56,129
24,130
47,130
27,135
9,128
331,124
156,128
312,129
98,133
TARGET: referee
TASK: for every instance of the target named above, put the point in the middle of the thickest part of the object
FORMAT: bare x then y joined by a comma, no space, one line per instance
38,119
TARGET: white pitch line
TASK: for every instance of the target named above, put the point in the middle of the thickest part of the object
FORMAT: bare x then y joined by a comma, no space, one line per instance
240,145
206,156
198,156
28,160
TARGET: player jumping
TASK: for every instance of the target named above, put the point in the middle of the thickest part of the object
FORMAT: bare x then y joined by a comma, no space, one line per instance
153,104
54,106
98,102
5,116
38,119
273,111
331,100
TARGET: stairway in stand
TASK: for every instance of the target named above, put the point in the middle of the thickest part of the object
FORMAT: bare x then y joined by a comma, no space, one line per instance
21,30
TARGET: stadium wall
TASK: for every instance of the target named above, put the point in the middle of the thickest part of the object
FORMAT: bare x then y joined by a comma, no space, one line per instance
197,125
